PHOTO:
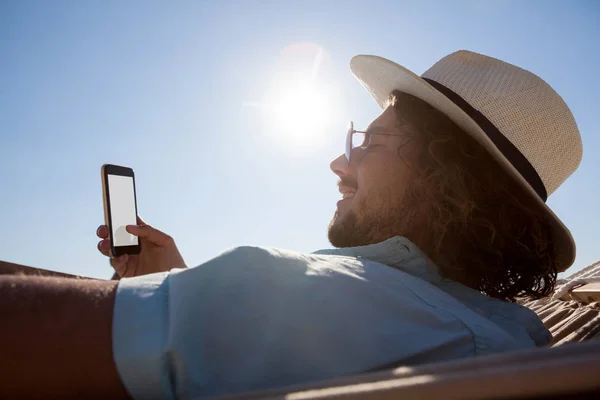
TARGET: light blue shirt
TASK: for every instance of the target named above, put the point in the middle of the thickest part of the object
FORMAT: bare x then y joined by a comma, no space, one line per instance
255,318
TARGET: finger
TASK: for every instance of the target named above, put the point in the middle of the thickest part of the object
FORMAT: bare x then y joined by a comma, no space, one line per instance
147,232
104,247
140,221
119,261
102,231
120,264
120,269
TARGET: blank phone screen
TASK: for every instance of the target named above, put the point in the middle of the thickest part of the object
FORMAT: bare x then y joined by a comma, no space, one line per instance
122,209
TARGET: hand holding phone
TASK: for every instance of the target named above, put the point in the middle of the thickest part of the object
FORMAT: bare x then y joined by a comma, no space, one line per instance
135,247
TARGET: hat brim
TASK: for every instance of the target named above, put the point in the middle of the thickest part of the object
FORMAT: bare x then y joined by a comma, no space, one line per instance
381,77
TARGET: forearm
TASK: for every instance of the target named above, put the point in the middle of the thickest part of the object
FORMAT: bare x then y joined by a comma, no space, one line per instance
7,268
55,339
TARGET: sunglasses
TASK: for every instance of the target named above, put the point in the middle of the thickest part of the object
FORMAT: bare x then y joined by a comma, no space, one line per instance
359,139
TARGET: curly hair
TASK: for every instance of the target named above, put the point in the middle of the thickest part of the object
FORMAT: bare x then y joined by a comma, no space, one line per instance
481,227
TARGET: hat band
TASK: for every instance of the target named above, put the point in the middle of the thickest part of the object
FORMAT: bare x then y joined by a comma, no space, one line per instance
512,154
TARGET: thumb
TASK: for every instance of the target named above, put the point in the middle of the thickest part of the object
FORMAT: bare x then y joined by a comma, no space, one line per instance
147,232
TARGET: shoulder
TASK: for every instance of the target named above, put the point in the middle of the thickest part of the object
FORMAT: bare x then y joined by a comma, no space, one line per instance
276,260
521,323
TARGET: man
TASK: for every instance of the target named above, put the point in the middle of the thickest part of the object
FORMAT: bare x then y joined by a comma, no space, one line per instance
442,224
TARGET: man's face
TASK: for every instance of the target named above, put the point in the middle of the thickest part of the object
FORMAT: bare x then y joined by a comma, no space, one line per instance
375,206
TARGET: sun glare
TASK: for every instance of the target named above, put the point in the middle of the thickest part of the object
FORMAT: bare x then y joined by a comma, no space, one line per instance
296,105
301,111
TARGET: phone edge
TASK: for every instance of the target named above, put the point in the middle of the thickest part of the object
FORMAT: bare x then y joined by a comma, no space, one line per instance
105,202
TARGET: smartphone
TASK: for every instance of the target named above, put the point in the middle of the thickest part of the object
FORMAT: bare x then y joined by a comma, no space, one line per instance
120,208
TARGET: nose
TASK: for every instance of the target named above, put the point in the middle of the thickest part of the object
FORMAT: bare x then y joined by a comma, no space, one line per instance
340,166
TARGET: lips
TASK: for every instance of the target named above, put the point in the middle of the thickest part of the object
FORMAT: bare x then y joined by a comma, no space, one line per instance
347,192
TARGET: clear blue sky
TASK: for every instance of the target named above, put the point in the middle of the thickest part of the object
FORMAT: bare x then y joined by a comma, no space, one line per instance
169,88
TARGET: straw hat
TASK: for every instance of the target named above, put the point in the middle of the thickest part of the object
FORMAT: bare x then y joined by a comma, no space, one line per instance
524,124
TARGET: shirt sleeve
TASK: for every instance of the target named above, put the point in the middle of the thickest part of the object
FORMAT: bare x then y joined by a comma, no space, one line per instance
140,328
253,319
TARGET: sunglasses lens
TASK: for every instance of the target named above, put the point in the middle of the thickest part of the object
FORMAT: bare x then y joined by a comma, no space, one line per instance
349,140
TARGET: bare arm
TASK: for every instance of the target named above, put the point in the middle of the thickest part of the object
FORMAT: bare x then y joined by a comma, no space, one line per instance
55,338
7,268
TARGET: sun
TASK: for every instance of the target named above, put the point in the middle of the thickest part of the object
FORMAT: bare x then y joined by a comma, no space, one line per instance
296,104
300,110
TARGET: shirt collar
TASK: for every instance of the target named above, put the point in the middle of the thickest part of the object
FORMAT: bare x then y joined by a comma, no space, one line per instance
397,252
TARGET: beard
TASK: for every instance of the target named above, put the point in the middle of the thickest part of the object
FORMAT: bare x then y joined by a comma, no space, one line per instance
371,221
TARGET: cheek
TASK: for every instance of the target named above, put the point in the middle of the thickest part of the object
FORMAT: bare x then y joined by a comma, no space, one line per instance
382,178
